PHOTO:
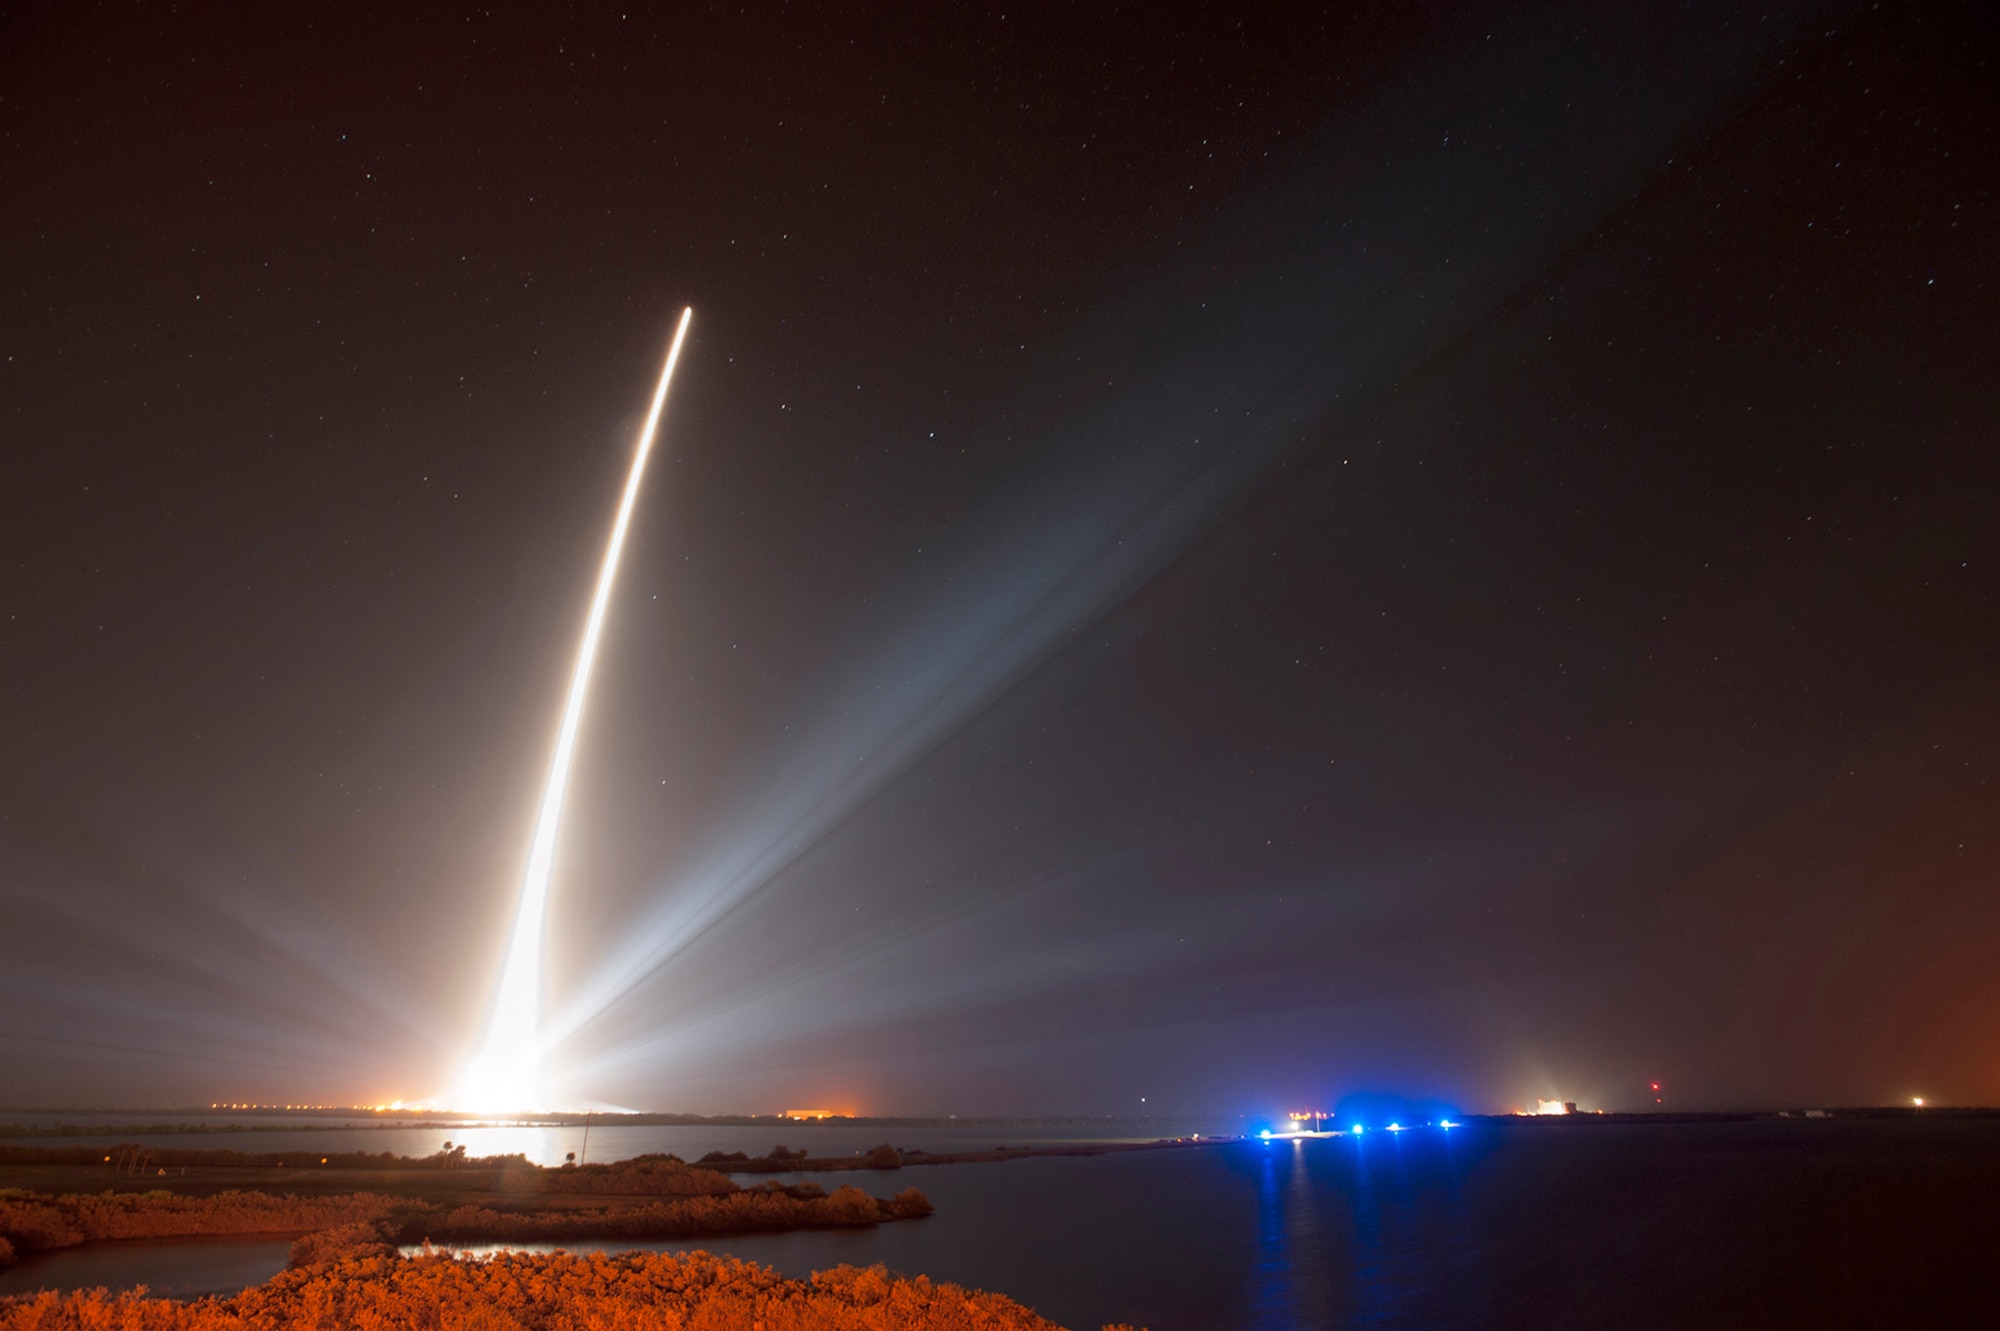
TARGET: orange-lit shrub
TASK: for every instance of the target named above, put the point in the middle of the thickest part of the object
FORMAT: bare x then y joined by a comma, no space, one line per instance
32,1222
546,1292
342,1243
750,1211
653,1175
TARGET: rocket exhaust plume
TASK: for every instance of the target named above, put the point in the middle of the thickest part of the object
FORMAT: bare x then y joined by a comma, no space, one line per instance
505,1074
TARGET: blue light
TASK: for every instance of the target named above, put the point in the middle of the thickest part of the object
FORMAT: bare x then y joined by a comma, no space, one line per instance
1265,1134
1447,1124
1357,1129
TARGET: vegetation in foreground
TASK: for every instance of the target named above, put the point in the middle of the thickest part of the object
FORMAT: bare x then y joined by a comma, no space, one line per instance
32,1222
545,1292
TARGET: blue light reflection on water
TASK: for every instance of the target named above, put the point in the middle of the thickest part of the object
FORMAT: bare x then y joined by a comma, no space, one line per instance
1364,1231
1368,1267
1271,1293
1312,1298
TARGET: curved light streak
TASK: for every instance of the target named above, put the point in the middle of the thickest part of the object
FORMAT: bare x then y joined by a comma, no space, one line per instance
506,1073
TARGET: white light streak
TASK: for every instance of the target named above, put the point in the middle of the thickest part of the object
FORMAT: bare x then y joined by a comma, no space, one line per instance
506,1073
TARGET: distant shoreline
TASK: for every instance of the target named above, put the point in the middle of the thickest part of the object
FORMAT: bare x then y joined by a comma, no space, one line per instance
365,1120
362,1120
117,1162
131,1167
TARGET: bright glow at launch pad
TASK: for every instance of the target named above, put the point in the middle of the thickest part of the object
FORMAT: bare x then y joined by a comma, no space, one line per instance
506,1073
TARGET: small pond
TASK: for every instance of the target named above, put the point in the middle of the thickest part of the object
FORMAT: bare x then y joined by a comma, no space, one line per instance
172,1268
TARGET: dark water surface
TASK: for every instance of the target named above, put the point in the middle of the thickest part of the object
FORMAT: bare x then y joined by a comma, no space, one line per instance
548,1144
1766,1224
171,1268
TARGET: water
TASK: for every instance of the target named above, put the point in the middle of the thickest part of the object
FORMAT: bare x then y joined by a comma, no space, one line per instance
547,1145
1545,1226
173,1268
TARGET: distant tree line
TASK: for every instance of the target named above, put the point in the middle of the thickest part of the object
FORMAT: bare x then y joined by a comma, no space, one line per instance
783,1160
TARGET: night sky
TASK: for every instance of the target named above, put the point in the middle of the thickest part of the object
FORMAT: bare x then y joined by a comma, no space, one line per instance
1230,557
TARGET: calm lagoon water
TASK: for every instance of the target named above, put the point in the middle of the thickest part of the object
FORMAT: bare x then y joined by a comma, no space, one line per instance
547,1145
1768,1225
175,1268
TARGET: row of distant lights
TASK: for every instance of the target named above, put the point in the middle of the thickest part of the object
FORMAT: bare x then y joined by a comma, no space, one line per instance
250,1106
392,1105
149,1155
1354,1130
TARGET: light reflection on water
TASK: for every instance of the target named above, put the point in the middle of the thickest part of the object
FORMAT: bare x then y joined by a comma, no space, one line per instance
1272,1301
1357,1232
542,1145
548,1144
1371,1282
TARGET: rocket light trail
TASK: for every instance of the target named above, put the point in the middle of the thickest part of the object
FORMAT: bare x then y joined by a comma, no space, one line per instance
505,1075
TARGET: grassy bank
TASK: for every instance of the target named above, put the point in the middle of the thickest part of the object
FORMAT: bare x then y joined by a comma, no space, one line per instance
33,1222
545,1292
368,1222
